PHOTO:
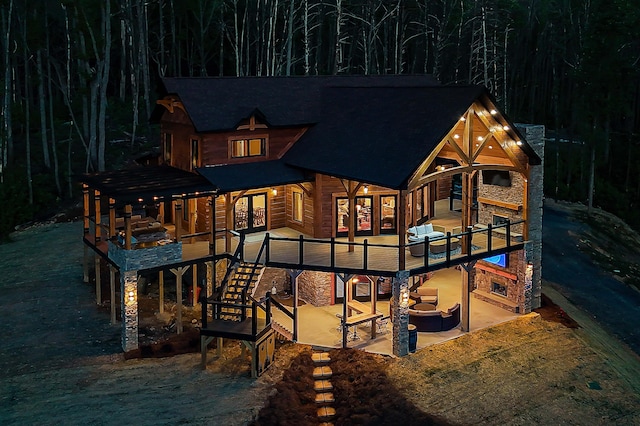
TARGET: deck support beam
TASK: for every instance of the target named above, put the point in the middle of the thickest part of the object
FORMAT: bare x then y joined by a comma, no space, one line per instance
161,291
179,272
98,260
467,285
294,274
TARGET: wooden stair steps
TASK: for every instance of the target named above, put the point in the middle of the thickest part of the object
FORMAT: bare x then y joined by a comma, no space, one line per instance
325,398
323,372
282,330
326,412
322,386
320,358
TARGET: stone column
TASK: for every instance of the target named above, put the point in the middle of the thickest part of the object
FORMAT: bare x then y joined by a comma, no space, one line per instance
129,290
534,135
400,313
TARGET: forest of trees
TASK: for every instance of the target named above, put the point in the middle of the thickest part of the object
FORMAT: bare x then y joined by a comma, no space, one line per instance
80,76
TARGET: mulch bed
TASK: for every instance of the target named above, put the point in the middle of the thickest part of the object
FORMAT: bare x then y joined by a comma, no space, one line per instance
363,394
549,311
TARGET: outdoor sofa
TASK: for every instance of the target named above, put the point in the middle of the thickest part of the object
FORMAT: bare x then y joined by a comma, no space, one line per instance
435,320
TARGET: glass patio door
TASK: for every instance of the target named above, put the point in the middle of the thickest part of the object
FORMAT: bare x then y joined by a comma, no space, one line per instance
388,222
250,213
364,217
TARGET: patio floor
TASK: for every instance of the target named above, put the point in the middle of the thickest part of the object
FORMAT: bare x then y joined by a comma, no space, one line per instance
320,326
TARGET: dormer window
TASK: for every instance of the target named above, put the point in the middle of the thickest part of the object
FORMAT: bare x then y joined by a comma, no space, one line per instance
254,147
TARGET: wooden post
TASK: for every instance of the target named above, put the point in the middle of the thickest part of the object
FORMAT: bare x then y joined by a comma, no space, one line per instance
98,281
112,217
353,217
467,201
96,198
228,220
194,285
373,290
212,225
525,206
178,219
127,227
179,272
85,204
402,230
467,284
112,288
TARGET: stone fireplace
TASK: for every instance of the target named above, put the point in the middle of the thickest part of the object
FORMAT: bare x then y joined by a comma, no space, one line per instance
499,289
497,220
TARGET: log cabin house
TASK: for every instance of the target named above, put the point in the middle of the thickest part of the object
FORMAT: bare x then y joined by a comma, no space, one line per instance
350,192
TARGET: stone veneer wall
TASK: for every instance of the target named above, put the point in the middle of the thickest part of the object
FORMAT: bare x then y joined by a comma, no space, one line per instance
315,287
150,257
515,300
522,293
534,134
512,194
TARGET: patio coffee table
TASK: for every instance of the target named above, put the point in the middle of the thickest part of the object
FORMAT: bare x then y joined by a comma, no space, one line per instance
424,307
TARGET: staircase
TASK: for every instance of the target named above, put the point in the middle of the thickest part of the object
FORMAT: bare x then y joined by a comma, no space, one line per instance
242,279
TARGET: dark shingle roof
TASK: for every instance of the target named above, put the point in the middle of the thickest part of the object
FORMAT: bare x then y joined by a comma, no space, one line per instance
257,174
216,104
375,129
380,135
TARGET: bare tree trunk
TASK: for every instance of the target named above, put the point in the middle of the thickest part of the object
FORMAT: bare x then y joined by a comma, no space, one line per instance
27,106
43,111
54,143
143,54
6,147
103,78
290,35
307,48
123,60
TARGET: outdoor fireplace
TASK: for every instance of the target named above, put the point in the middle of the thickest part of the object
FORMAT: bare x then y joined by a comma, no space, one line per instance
499,220
499,289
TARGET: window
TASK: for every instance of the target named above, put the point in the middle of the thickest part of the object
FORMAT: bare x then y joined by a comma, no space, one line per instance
195,154
166,148
255,147
298,206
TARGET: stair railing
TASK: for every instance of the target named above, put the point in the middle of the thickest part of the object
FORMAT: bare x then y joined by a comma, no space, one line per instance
254,268
280,307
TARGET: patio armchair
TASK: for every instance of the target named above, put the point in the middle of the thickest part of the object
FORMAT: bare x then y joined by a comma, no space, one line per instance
428,295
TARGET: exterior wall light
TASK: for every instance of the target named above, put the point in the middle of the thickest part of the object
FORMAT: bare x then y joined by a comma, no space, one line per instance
404,297
132,296
366,189
494,112
274,191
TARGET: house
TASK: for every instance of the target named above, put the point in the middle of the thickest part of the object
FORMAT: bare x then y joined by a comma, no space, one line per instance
332,182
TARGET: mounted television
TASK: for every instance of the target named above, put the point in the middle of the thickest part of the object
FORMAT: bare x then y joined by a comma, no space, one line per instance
500,259
496,177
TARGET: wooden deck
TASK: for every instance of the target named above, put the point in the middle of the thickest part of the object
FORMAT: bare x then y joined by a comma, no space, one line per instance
378,255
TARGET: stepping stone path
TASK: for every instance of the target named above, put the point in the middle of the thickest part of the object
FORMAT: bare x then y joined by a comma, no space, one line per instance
323,387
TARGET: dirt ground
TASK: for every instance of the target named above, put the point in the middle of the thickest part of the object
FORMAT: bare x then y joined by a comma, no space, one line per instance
61,364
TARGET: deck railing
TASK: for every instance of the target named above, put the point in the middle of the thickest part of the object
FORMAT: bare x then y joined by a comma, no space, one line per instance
383,259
